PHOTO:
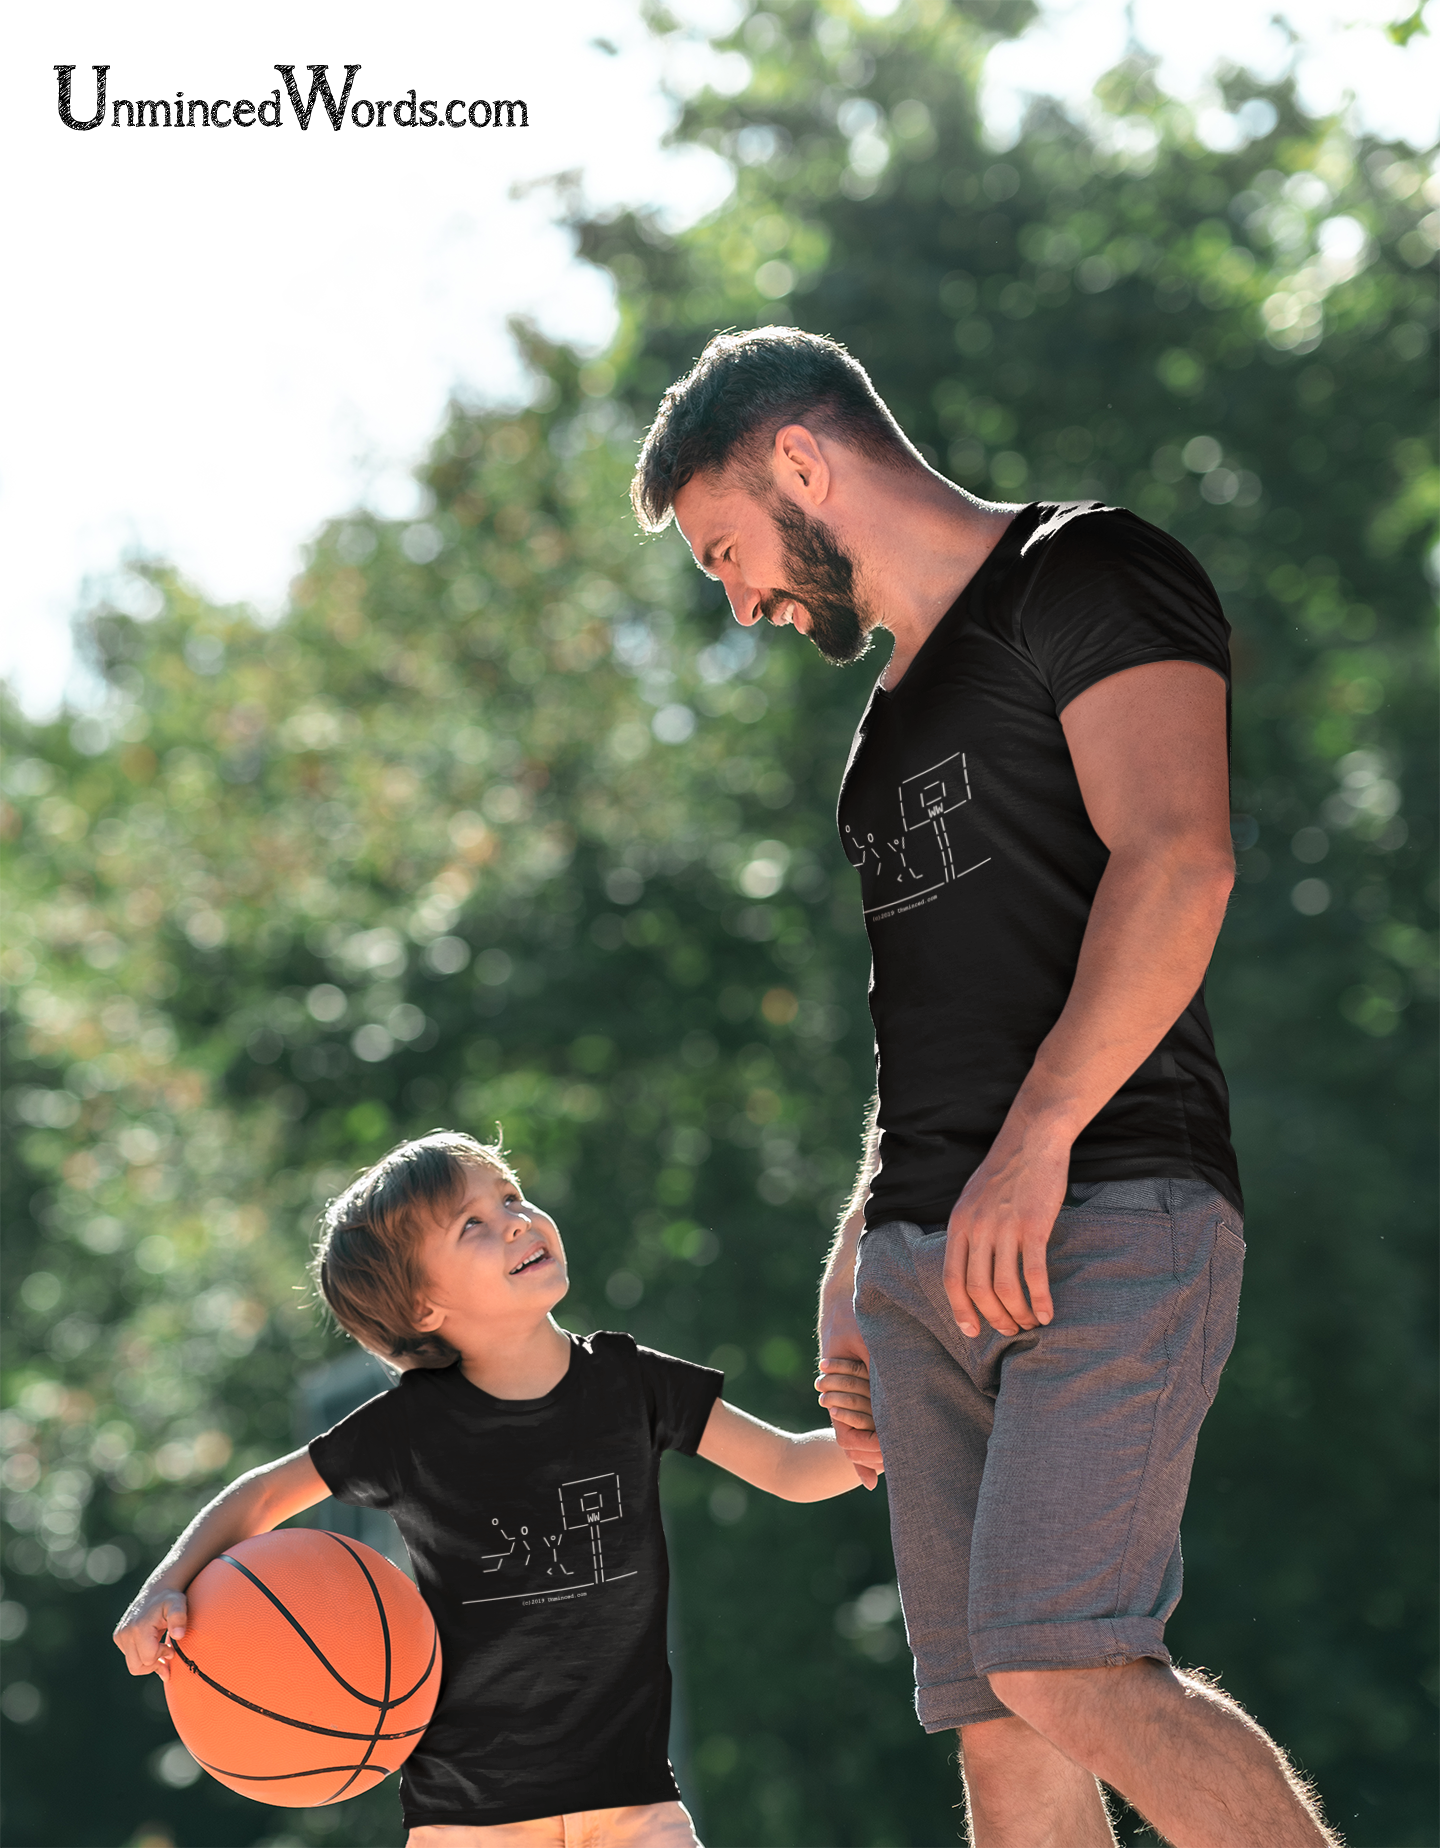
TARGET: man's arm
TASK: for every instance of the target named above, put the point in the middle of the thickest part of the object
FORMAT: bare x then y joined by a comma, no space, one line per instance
842,1348
1149,751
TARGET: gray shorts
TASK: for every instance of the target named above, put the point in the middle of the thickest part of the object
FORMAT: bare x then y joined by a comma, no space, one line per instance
1036,1481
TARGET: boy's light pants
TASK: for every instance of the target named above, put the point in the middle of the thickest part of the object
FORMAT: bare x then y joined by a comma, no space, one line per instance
647,1825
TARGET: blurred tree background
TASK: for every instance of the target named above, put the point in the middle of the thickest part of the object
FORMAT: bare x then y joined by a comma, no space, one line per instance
505,820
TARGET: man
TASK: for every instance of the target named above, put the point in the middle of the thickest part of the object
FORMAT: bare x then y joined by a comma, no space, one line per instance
1048,1216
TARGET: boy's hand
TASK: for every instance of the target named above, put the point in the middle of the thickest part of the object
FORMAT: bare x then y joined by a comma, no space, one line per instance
844,1388
142,1634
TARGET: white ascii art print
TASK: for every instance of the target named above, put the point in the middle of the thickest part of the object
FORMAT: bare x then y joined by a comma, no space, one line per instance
559,1550
928,849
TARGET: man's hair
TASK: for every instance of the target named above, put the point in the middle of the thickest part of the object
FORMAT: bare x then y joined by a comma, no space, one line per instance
367,1258
738,394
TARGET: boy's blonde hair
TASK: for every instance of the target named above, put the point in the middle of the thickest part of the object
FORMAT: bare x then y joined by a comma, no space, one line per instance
367,1259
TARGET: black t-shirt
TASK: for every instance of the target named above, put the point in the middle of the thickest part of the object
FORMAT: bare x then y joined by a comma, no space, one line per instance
534,1528
961,811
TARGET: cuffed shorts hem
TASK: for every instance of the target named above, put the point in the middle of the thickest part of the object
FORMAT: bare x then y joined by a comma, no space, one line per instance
1089,1642
956,1704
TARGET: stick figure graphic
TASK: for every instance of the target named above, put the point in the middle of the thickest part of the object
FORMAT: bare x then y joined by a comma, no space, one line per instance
867,847
897,847
520,1540
553,1542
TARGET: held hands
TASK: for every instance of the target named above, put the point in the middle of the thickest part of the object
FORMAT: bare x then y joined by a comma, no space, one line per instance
998,1232
844,1388
146,1629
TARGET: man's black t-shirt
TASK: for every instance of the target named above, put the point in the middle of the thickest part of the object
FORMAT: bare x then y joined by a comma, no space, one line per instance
534,1529
961,812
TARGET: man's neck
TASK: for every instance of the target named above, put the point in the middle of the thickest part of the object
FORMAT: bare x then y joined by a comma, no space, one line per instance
523,1364
922,540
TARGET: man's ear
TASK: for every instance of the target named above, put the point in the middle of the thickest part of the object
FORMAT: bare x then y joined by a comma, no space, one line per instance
427,1318
799,463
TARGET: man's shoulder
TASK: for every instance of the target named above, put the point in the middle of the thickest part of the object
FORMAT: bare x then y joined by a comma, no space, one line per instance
1074,534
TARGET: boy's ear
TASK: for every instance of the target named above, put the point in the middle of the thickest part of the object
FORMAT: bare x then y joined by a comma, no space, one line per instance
427,1318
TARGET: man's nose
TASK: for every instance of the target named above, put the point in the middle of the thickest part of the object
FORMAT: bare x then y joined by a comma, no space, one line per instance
745,606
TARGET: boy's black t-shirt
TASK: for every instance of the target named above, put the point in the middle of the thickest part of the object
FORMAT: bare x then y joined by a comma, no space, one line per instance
961,811
534,1529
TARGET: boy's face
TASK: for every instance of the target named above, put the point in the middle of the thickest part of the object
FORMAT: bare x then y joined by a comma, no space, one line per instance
492,1259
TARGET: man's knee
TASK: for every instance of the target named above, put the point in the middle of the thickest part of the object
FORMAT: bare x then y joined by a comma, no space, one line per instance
1029,1693
1054,1700
997,1741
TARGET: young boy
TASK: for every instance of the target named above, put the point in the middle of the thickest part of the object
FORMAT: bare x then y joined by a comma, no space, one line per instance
521,1464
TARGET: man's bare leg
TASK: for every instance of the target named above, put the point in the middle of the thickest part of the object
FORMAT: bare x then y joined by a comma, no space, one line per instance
1183,1754
1022,1793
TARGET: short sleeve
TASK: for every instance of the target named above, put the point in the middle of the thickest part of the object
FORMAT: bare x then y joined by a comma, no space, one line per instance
680,1396
357,1458
1111,592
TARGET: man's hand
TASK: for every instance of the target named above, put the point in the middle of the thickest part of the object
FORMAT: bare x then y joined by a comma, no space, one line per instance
999,1228
843,1384
143,1634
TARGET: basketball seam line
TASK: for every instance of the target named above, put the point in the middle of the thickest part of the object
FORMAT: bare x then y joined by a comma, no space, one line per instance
279,1777
399,1700
331,1732
301,1632
385,1632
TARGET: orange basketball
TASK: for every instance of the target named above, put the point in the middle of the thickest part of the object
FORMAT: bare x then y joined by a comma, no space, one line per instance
308,1670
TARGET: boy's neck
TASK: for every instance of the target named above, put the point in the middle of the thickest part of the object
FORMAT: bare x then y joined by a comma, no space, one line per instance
526,1364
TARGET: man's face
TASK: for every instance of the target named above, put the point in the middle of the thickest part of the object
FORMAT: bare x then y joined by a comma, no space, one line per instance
777,563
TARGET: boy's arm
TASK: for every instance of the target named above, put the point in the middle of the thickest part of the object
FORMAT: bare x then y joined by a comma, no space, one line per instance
804,1466
253,1504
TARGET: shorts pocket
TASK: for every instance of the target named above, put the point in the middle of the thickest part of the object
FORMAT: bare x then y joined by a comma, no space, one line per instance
1227,1263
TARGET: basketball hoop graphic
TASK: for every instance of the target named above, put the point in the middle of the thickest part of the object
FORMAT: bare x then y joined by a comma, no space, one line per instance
590,1504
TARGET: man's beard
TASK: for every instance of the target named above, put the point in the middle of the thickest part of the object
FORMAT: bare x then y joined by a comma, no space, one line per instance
822,577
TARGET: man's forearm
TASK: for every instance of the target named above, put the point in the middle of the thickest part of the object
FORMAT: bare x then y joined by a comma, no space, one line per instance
837,1284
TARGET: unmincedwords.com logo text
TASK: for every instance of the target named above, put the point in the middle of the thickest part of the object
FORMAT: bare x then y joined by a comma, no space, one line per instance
407,111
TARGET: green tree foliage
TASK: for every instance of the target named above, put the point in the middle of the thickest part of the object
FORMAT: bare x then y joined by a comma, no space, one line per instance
1405,29
504,821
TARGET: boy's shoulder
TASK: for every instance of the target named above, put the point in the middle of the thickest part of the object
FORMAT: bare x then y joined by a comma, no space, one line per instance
626,1347
605,1353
